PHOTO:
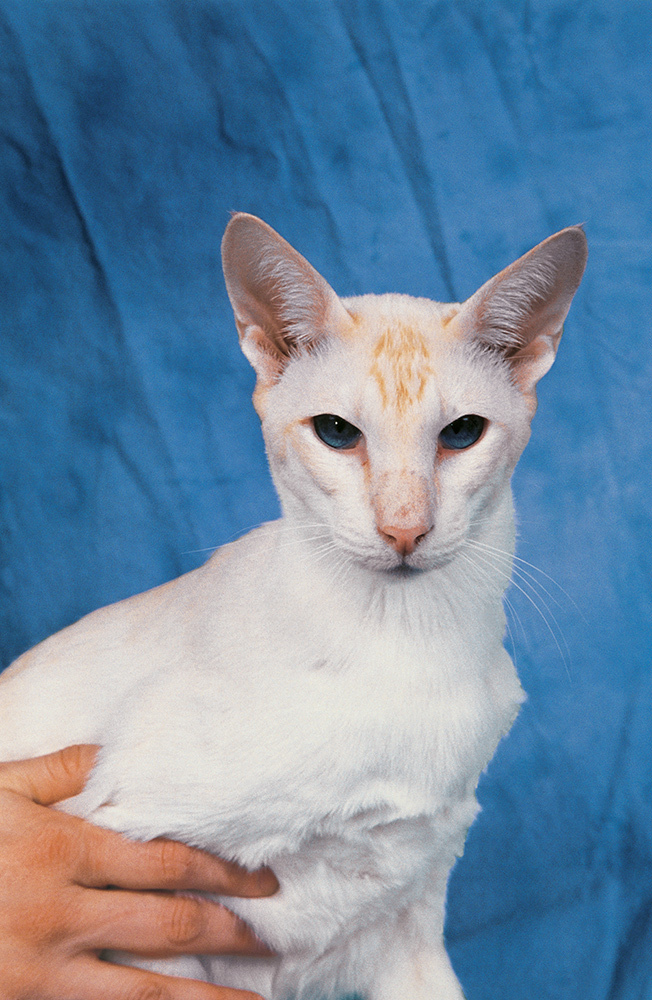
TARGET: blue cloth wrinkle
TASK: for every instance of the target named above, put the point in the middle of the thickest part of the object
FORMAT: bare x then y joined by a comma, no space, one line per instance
400,121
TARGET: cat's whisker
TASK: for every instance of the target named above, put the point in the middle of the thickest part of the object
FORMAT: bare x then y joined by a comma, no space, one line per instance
536,587
546,616
528,579
320,529
343,567
510,610
327,549
306,539
294,541
479,520
508,560
556,635
517,618
231,538
509,607
531,566
300,525
484,576
503,571
318,553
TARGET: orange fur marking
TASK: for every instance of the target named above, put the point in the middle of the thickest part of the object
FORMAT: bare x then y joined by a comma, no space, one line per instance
401,367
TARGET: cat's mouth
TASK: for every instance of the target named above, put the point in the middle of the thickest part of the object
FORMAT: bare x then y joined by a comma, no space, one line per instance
393,565
404,569
418,563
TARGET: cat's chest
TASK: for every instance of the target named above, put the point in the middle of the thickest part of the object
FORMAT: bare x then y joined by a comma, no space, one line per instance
249,764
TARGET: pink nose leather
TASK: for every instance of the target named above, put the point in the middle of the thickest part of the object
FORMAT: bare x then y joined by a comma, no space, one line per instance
404,540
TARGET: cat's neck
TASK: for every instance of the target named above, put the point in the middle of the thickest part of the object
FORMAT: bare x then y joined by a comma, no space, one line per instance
463,595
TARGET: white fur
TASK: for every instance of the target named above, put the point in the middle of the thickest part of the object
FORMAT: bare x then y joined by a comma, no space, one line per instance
301,700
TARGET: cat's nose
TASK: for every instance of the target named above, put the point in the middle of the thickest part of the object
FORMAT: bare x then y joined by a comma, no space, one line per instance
404,540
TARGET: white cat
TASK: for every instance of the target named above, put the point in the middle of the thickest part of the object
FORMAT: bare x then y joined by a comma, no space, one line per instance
323,694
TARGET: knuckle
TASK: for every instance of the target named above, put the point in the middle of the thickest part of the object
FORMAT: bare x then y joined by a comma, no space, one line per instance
183,920
65,760
54,847
175,862
149,991
55,927
72,760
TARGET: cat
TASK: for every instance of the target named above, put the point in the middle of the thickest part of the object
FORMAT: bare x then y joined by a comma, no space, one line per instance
323,694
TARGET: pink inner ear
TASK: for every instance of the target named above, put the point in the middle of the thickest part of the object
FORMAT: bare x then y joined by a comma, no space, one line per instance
261,353
281,303
533,361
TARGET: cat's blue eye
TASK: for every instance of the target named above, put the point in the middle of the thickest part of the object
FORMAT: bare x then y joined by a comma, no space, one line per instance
335,431
463,432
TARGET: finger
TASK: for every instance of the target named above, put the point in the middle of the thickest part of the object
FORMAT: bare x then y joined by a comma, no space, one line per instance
111,859
96,980
50,778
163,925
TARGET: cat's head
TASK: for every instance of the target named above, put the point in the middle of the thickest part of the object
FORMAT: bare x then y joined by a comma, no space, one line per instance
393,424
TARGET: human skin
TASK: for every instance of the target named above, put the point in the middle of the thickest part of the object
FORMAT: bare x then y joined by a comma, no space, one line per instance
69,890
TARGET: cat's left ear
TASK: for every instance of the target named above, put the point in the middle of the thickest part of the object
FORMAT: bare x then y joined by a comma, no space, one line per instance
282,305
520,312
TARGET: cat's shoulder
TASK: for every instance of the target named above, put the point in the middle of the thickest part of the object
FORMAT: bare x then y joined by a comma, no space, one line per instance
244,554
143,615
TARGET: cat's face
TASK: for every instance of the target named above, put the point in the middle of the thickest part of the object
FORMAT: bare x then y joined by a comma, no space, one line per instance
427,433
393,424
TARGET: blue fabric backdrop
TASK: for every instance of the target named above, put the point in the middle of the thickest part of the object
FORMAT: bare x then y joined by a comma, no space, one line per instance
413,146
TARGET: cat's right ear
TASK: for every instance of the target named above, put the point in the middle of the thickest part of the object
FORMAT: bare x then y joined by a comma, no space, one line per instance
282,306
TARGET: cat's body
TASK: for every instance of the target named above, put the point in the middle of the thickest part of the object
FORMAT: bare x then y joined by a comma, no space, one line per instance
324,693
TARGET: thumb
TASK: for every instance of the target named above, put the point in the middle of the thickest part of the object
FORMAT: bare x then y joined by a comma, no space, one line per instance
51,778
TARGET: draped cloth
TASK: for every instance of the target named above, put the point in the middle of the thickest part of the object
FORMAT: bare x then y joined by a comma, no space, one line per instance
415,147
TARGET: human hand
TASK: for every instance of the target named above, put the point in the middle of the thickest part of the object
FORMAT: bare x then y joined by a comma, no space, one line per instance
69,890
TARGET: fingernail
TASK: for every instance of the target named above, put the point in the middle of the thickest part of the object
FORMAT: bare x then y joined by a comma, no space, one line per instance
260,948
267,881
248,942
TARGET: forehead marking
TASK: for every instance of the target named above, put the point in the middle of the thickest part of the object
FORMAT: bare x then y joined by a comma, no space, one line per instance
401,366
